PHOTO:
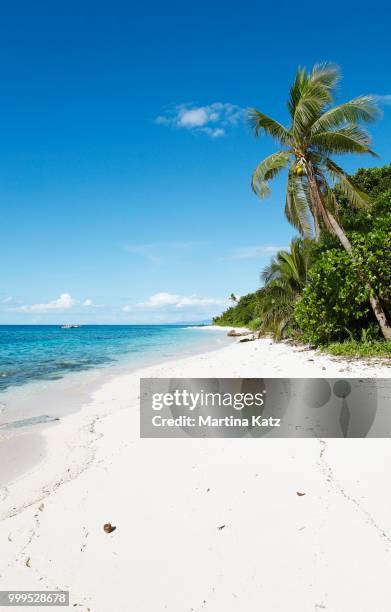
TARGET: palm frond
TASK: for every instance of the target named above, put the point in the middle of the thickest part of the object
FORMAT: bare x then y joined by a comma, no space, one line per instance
270,272
266,170
296,90
282,267
276,310
309,96
359,109
297,208
259,121
348,139
290,265
307,112
284,280
327,74
357,197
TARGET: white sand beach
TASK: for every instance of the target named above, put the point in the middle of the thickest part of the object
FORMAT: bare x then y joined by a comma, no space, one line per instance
203,524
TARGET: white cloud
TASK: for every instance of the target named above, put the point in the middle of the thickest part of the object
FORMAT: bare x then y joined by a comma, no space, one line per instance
91,304
172,301
217,132
193,118
212,119
64,302
253,252
7,300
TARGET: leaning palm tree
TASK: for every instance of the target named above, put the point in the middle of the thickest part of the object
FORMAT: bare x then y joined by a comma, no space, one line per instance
317,130
284,280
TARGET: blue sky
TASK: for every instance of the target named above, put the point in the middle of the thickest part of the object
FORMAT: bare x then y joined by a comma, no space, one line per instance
125,161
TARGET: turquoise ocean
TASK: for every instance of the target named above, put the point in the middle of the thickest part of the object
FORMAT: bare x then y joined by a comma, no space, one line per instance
46,352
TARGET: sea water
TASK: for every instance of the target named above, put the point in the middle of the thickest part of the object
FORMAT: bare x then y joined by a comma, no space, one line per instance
48,352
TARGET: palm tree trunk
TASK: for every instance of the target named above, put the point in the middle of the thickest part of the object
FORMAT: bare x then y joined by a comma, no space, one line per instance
336,229
317,228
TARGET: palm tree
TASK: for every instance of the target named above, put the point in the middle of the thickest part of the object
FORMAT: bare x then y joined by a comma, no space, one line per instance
284,280
317,131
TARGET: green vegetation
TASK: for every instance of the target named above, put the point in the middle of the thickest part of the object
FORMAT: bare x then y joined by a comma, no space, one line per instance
242,314
317,131
284,280
335,304
314,292
333,290
356,348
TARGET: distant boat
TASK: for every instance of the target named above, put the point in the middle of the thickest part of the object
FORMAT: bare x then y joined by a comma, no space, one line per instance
68,326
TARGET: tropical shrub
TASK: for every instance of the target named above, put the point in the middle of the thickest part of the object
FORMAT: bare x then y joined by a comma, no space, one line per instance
335,303
242,313
373,181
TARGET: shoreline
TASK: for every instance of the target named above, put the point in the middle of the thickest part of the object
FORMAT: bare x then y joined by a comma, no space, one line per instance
97,470
22,415
261,357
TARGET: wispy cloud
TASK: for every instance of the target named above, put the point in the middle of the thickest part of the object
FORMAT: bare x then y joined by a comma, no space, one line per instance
147,251
254,252
213,119
63,303
172,301
383,100
156,252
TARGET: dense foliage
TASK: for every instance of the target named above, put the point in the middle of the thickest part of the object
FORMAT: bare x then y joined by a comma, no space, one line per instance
335,301
242,314
374,181
328,304
316,132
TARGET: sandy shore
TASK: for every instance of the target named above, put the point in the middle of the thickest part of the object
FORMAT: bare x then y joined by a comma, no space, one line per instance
205,524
